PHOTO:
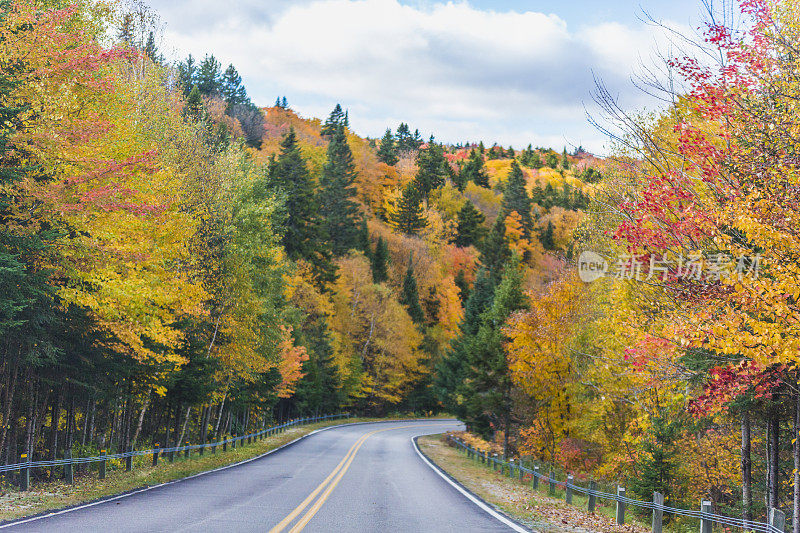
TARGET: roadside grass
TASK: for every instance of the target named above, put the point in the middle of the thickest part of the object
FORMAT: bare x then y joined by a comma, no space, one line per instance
47,495
534,508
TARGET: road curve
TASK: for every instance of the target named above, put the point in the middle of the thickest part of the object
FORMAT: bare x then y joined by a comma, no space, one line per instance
360,478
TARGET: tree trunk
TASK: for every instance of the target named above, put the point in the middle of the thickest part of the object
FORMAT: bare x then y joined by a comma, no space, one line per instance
747,470
8,401
141,420
185,421
773,457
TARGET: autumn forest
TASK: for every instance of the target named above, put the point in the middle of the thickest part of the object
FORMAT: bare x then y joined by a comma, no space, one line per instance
180,263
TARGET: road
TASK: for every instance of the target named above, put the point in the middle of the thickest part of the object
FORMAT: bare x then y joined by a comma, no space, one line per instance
360,478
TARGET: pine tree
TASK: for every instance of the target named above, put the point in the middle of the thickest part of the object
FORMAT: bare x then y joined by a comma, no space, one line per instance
495,251
656,466
515,197
195,107
339,211
208,76
409,218
284,103
303,236
319,391
463,286
363,238
469,230
546,238
474,170
409,296
334,121
151,50
387,152
488,385
380,261
405,142
432,169
565,160
233,92
187,75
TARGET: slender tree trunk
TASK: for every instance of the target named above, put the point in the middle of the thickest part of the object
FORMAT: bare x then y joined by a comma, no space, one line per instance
747,474
10,389
773,458
185,422
141,420
219,416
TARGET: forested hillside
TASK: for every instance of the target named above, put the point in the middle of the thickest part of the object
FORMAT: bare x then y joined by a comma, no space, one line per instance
179,263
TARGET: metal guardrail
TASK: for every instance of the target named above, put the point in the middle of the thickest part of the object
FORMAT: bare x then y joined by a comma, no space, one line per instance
776,516
25,467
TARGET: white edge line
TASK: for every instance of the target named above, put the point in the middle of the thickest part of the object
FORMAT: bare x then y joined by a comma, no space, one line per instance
145,489
463,491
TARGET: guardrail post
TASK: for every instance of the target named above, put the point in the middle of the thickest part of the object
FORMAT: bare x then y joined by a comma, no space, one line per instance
69,476
25,473
620,506
102,470
202,449
511,467
552,480
569,488
186,451
129,462
155,454
535,480
592,497
705,523
658,513
233,442
777,519
171,454
225,445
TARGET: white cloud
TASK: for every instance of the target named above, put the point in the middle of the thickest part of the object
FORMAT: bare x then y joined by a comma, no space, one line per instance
450,69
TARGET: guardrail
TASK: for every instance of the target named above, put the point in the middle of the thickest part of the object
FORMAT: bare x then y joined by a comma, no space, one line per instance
777,519
24,468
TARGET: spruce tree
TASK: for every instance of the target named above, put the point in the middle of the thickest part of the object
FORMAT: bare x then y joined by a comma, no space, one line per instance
474,170
363,238
387,152
195,107
495,251
469,229
463,286
432,169
334,121
405,142
515,197
209,76
548,243
657,465
319,391
380,261
409,296
488,385
409,217
233,92
565,160
151,50
187,75
303,236
337,208
284,103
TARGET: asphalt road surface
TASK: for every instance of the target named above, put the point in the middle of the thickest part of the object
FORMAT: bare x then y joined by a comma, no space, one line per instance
360,478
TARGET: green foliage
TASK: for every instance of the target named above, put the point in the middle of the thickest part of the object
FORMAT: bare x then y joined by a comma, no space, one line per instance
432,168
470,229
409,296
380,261
337,207
656,466
515,197
410,217
474,170
387,151
334,122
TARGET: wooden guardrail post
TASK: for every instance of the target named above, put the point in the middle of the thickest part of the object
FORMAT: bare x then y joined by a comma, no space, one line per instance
592,497
705,523
569,488
535,480
777,519
658,513
225,445
25,473
155,454
552,480
620,506
233,442
521,473
186,451
129,462
101,474
171,454
69,476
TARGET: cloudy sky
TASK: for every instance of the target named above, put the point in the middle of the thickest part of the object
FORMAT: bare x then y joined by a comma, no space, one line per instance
507,71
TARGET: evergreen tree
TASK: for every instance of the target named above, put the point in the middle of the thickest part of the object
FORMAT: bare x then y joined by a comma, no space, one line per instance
451,369
474,170
284,103
551,160
195,107
405,142
151,50
208,76
303,236
481,148
416,140
488,385
432,169
656,466
495,251
548,243
387,152
187,75
409,296
319,391
278,101
339,211
232,89
334,121
459,178
515,197
463,286
565,160
469,230
409,217
363,238
380,261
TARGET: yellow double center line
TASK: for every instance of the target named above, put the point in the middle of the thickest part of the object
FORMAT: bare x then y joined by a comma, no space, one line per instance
331,481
